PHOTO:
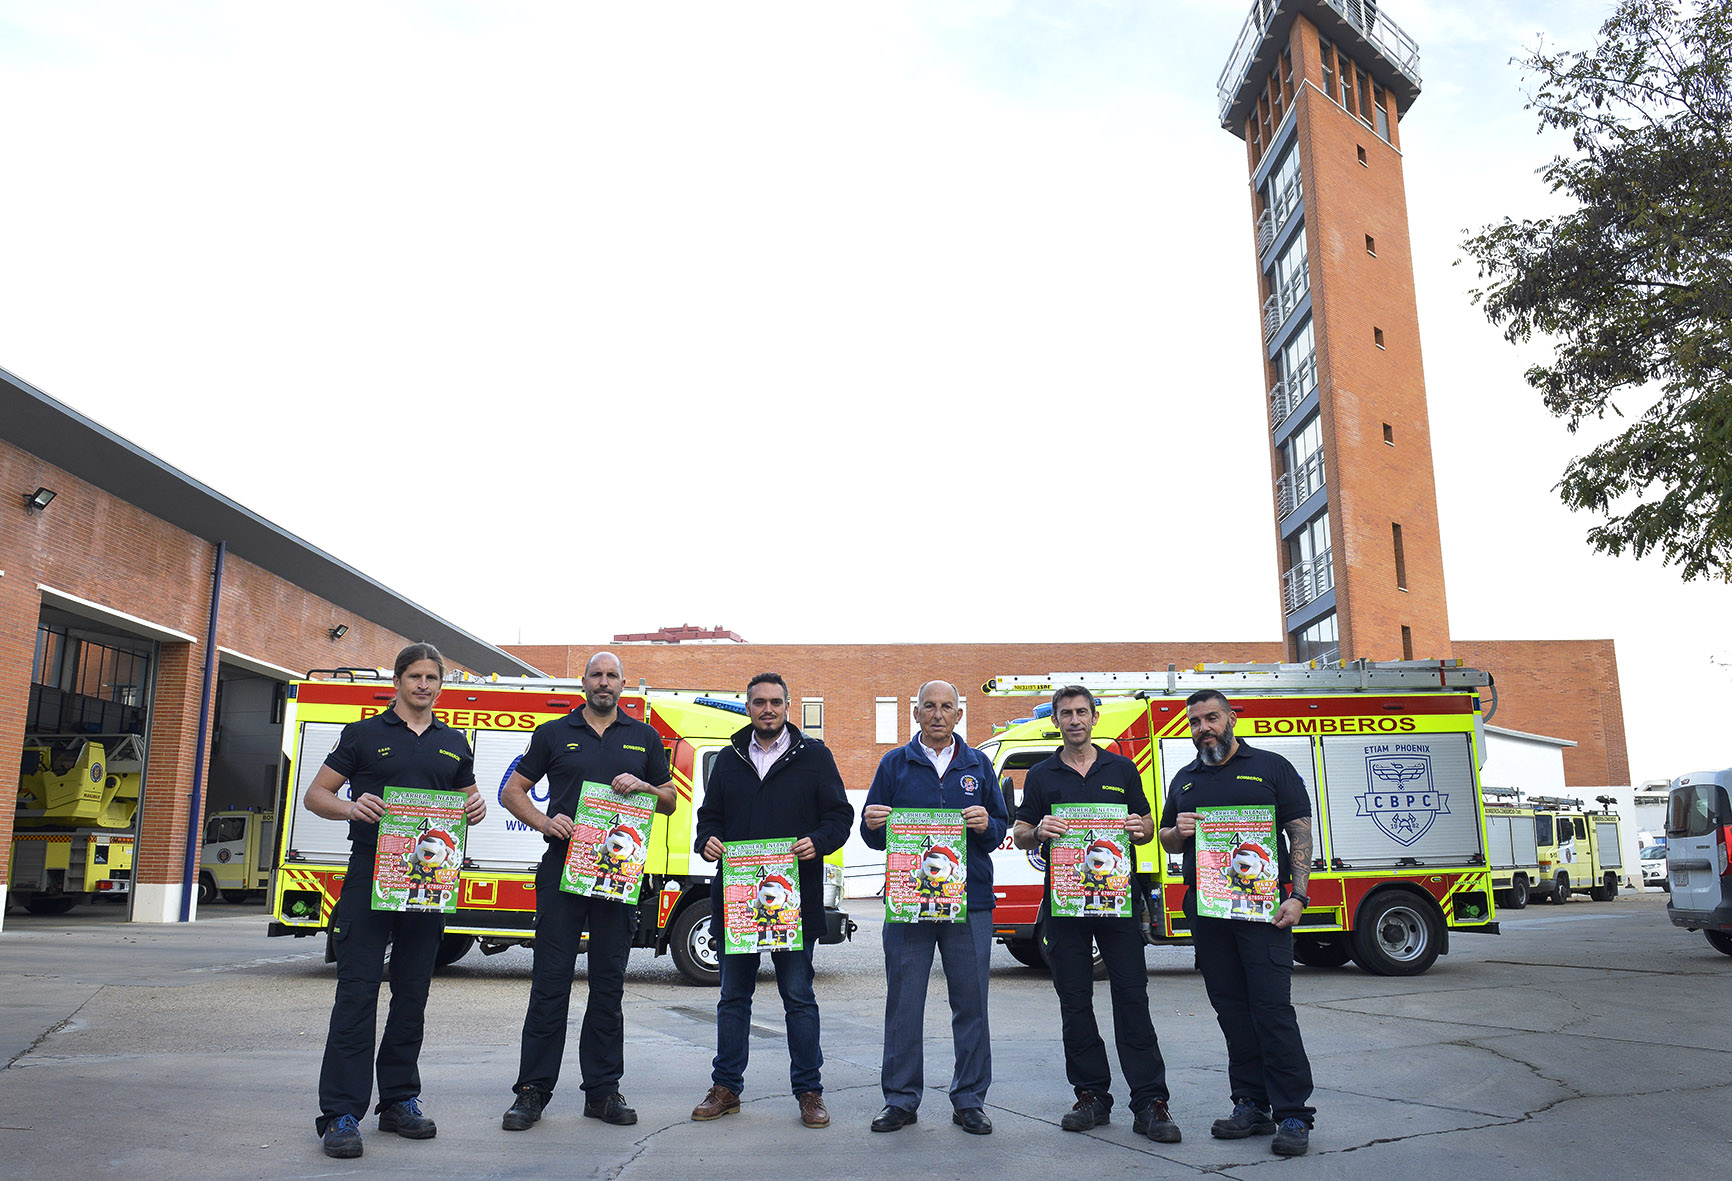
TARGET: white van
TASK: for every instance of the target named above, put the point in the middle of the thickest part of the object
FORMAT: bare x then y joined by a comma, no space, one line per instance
1698,831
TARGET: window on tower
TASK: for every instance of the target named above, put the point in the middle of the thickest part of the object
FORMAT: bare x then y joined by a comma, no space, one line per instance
1380,112
1312,573
1318,640
1328,68
1301,466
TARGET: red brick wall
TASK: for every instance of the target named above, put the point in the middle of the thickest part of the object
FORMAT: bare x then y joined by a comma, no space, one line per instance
1565,689
1562,688
96,546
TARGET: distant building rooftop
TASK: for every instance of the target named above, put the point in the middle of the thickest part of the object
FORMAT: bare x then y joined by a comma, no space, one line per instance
685,633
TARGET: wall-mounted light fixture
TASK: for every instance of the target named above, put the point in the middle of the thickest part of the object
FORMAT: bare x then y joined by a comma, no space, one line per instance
338,632
35,502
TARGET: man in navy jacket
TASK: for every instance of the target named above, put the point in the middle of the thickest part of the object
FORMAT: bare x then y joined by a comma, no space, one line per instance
938,770
773,782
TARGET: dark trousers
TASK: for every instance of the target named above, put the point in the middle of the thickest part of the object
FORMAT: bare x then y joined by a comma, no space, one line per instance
560,920
359,935
1248,972
799,1009
1070,951
966,949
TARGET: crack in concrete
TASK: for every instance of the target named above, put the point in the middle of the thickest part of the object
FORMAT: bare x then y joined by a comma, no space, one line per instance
52,1030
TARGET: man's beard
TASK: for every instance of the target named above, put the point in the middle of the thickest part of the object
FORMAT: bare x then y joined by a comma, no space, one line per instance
1215,753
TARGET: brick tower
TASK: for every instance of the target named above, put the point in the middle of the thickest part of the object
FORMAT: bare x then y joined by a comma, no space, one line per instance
1316,89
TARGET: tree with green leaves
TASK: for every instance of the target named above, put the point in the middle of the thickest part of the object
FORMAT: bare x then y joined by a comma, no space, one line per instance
1633,288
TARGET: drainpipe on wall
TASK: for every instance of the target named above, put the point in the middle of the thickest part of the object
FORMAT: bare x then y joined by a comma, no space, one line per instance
189,875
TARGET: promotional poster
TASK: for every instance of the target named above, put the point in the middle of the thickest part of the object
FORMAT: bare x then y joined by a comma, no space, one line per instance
1238,867
760,897
610,838
1091,863
420,851
925,866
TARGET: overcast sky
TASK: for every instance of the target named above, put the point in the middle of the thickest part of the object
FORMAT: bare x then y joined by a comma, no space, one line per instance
821,322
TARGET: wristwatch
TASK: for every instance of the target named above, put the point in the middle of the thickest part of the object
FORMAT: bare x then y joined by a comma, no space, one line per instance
1304,900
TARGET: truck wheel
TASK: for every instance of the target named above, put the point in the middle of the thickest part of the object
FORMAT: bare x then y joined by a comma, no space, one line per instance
1607,890
236,897
1721,940
1395,935
451,949
55,904
1518,893
697,953
1561,890
207,888
1322,951
1025,952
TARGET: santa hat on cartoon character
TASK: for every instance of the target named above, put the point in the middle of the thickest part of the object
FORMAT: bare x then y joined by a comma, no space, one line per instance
436,846
623,838
1104,852
775,883
941,861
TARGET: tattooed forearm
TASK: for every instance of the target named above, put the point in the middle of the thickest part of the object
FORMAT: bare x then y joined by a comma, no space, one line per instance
1299,846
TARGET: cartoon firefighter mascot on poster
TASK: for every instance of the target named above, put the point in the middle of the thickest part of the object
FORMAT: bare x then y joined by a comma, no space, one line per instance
617,858
770,908
1101,874
937,879
426,862
1250,872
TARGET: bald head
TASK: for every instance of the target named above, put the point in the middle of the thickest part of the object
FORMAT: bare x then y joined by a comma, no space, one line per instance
618,666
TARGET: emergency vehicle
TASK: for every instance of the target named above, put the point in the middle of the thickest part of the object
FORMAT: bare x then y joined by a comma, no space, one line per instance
236,858
496,898
1580,850
1389,753
73,830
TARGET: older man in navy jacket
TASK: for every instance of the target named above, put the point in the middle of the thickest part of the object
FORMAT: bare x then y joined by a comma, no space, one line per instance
772,782
938,770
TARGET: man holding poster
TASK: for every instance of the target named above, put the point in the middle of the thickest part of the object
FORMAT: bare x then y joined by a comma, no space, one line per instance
1093,899
603,765
404,747
773,785
937,799
1227,808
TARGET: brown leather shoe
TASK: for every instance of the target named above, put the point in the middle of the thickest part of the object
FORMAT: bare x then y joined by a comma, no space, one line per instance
719,1102
812,1112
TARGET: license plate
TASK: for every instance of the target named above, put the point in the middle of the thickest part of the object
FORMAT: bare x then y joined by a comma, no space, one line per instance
1680,878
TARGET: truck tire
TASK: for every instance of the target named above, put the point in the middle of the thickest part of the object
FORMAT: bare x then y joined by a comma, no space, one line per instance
1322,951
236,897
1518,892
207,888
53,904
1026,952
1396,934
1561,890
1606,891
696,950
451,949
1721,941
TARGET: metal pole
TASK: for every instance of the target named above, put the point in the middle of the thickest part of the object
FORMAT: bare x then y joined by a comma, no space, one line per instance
189,874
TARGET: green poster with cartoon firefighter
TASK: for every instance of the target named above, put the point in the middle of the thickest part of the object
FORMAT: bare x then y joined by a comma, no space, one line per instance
420,851
1091,863
760,897
610,836
1238,864
925,866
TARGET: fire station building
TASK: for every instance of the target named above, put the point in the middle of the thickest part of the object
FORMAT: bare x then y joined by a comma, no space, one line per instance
137,603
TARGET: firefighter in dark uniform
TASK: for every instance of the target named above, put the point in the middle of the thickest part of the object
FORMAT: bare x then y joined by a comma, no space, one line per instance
1082,773
1248,966
404,746
597,744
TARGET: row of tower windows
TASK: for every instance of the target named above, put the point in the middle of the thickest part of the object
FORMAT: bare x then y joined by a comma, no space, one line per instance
1352,89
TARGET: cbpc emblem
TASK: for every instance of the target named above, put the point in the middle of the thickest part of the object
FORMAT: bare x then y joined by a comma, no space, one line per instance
1399,798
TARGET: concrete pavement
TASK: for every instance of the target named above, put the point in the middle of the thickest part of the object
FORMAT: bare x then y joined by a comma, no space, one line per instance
1589,1039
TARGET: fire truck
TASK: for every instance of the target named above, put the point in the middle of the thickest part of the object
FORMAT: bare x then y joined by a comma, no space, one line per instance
1389,753
74,834
1580,850
236,858
496,893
